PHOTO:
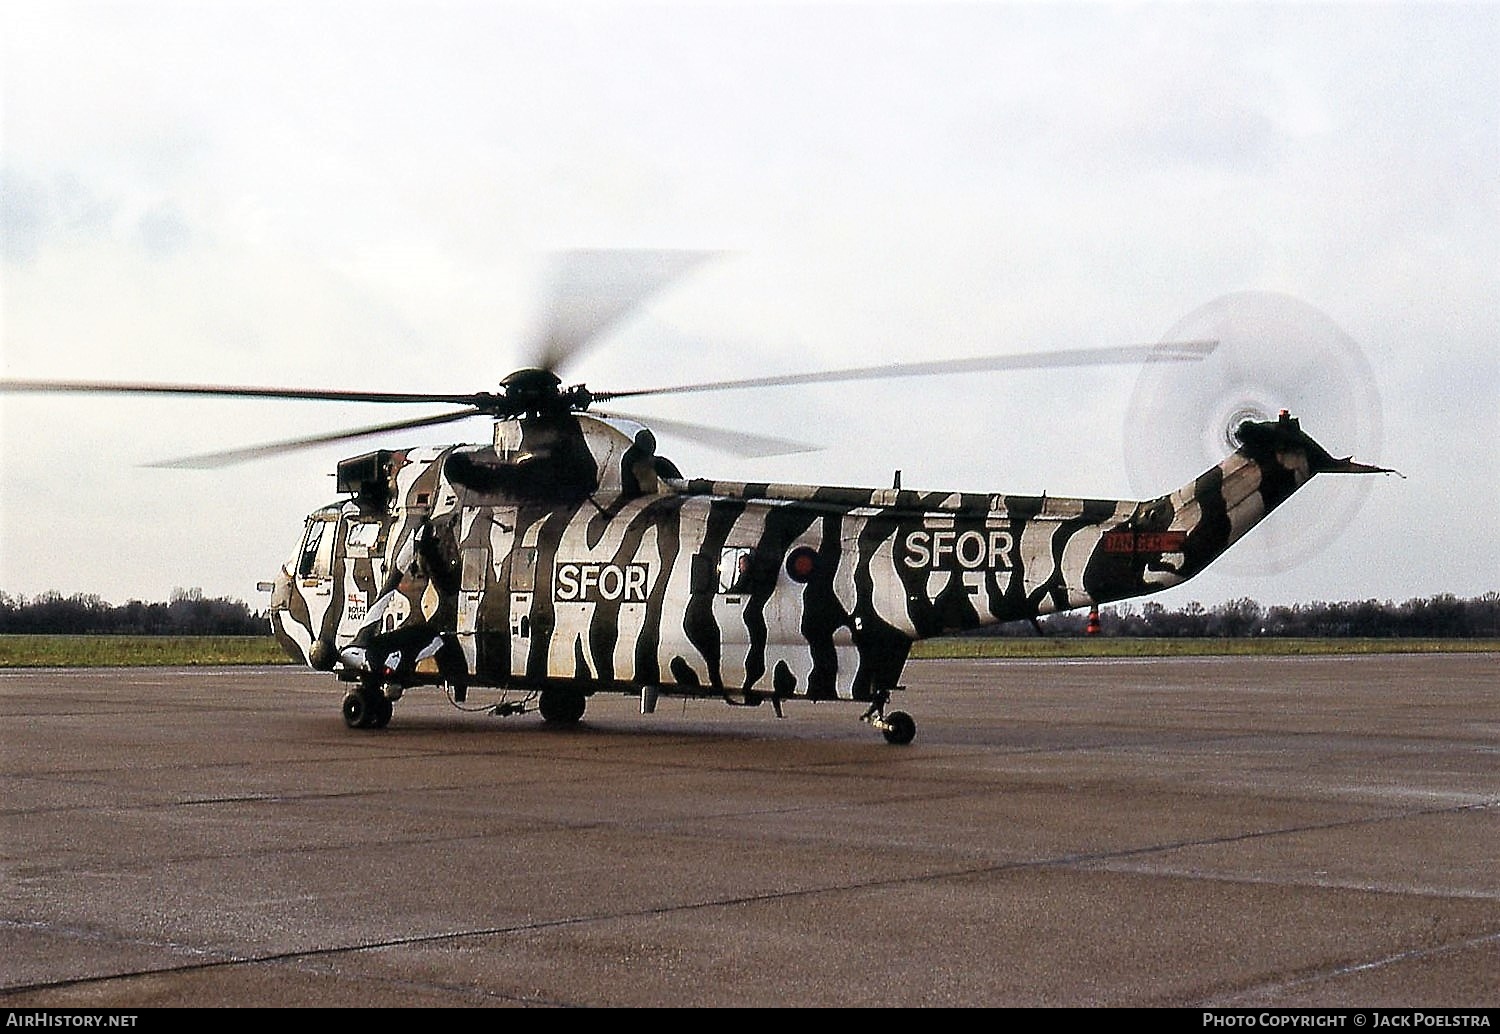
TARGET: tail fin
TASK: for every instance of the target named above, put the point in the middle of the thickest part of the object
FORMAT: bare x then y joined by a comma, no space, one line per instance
1170,539
1275,458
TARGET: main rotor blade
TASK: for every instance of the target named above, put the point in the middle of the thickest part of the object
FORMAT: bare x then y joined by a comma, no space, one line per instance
1173,351
229,391
253,452
738,443
592,291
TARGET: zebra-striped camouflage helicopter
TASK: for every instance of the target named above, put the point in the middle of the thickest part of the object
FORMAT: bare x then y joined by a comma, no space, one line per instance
566,557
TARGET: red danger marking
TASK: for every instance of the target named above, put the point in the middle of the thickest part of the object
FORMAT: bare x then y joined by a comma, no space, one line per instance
1144,541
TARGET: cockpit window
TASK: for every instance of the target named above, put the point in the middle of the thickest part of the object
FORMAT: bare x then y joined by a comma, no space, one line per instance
317,551
362,538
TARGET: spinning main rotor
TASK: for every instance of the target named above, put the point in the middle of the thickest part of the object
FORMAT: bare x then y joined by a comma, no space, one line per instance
591,292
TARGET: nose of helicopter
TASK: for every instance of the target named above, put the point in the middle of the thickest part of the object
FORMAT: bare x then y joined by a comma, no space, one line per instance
294,640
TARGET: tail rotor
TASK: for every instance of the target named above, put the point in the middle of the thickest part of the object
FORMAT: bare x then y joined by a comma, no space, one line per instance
1275,353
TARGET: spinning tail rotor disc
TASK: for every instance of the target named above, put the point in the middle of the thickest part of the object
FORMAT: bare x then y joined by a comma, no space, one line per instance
1275,352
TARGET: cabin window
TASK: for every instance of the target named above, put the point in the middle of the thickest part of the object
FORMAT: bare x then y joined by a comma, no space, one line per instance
317,551
734,568
738,570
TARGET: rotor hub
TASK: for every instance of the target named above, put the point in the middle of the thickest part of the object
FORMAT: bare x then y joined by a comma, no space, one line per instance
532,391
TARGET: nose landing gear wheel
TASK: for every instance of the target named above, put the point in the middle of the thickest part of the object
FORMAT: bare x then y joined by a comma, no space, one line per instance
367,708
357,711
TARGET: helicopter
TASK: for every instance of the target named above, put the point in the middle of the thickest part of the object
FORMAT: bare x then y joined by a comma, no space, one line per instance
566,557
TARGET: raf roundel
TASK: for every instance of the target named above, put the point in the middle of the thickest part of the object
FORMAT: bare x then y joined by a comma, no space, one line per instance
802,564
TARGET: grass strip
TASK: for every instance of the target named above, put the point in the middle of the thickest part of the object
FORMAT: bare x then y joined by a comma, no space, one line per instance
1269,646
126,651
130,651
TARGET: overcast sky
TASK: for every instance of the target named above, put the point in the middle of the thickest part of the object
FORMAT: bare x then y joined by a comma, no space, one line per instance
355,195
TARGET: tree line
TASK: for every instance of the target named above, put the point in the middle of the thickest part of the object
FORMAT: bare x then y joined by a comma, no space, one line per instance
1433,617
188,612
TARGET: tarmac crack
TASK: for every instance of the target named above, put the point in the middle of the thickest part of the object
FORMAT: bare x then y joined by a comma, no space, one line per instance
1309,978
1310,827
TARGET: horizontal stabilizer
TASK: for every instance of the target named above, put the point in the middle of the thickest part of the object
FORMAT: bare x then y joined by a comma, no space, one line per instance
1286,433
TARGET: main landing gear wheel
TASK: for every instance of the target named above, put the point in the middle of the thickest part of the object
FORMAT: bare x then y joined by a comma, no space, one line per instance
900,729
562,706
